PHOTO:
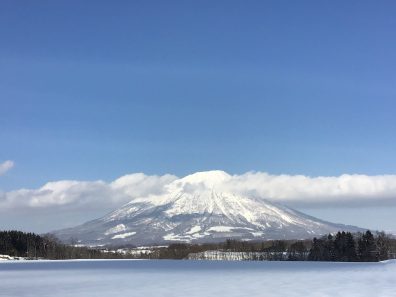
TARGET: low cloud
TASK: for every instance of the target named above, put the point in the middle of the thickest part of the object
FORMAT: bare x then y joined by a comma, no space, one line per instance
6,166
75,195
298,190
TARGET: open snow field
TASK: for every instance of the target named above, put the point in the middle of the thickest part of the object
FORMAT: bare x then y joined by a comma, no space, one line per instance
195,278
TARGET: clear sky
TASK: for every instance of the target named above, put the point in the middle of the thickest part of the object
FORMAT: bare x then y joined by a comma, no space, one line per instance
96,89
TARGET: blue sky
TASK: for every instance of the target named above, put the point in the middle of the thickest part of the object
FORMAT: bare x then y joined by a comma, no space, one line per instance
91,90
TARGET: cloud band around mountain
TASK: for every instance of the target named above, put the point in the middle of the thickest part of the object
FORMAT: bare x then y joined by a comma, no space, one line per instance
352,190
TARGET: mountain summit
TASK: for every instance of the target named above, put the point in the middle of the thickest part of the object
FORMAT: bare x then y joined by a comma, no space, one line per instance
196,209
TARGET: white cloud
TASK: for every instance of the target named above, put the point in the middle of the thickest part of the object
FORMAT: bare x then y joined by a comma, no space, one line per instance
352,190
5,166
346,189
75,195
139,184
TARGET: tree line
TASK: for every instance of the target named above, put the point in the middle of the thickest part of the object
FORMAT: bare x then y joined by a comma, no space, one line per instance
33,246
345,247
341,247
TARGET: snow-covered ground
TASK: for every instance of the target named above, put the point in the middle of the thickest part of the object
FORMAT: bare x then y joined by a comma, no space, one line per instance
196,278
7,258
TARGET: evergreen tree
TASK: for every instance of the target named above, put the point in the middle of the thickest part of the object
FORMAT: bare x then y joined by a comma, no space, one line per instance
328,249
316,251
367,248
339,246
350,246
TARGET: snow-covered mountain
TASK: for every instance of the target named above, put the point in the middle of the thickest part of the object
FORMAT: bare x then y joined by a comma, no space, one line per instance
194,209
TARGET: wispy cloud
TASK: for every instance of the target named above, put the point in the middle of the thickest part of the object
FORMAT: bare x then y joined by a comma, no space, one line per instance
6,166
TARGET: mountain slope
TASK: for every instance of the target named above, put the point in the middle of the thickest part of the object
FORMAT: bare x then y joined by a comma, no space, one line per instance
192,209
